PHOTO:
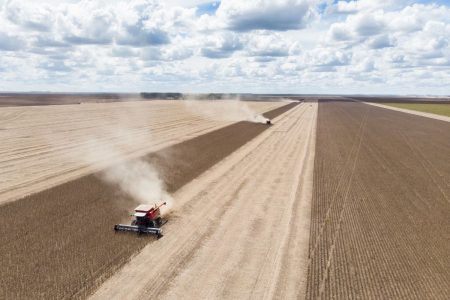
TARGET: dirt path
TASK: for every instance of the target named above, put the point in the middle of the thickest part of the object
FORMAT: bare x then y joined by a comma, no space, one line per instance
41,146
241,229
413,112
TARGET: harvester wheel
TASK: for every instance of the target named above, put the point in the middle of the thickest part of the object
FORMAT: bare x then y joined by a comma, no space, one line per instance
159,222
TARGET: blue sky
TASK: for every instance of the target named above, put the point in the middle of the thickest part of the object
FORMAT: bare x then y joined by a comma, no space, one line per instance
260,46
209,8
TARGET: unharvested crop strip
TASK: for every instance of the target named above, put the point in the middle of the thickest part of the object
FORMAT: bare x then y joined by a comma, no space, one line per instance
59,243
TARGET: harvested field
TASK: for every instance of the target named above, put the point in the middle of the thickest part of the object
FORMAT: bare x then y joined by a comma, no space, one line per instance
241,230
44,146
380,212
33,99
59,243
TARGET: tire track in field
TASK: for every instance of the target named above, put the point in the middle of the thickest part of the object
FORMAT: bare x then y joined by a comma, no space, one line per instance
335,206
182,240
229,225
358,143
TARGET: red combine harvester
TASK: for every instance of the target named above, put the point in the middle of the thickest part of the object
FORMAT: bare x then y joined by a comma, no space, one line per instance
147,220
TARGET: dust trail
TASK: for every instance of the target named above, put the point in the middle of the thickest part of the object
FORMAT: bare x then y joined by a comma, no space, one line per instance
108,148
229,109
137,178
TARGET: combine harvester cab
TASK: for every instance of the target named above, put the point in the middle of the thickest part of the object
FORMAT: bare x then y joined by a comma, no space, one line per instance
147,220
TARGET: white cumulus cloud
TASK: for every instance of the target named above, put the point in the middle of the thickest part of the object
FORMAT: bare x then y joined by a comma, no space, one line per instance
276,46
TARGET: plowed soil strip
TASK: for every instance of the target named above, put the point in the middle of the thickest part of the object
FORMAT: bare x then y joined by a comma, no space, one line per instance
381,205
59,243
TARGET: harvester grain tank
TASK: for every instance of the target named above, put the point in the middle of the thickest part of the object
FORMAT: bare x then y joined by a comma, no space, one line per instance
147,220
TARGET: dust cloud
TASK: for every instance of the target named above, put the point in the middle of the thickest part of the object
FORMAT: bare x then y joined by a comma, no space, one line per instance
107,148
135,177
230,109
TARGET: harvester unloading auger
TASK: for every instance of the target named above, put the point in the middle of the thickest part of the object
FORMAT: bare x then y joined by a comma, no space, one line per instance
147,220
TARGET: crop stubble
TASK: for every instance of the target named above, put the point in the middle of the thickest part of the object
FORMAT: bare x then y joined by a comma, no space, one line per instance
59,243
247,215
380,225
